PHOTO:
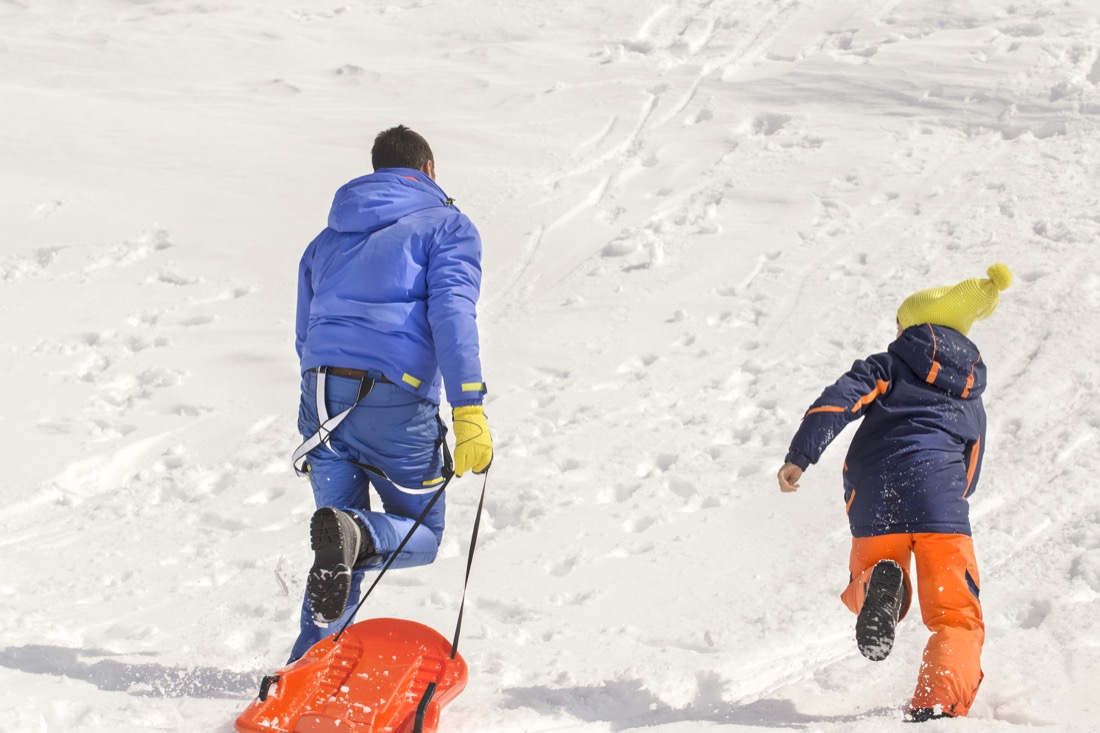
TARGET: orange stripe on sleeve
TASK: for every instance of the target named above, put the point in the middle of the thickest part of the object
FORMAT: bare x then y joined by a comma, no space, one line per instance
880,389
851,498
826,408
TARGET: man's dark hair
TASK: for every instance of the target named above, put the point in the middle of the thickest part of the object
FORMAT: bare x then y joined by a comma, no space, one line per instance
400,147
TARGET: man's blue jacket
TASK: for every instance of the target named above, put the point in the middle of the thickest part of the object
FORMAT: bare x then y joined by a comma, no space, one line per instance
918,453
392,285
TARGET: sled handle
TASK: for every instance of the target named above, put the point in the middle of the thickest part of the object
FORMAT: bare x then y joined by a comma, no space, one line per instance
422,708
265,685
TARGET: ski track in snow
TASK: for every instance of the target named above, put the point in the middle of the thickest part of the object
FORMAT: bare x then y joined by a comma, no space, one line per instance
696,214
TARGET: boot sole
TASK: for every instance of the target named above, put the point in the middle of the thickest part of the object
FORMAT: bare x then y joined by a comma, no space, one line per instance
329,581
877,620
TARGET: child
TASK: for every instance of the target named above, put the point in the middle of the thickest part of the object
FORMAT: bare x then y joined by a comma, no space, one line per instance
909,472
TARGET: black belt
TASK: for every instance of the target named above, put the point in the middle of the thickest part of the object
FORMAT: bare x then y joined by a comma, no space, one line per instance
350,373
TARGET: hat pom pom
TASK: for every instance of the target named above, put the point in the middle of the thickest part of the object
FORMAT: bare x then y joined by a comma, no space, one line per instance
1000,275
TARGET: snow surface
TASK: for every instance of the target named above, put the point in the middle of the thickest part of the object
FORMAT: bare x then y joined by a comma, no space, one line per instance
696,214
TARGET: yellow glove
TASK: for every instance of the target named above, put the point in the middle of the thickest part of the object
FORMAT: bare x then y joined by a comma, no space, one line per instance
473,443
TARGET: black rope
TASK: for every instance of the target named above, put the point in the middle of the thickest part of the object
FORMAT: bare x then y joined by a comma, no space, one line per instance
469,564
448,474
393,556
408,536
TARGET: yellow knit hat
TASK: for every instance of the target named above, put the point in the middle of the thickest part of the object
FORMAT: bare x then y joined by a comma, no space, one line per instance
957,306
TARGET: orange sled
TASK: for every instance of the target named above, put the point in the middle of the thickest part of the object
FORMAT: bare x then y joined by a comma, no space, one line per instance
384,675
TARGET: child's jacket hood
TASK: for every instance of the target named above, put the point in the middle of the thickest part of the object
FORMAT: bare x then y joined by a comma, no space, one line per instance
943,358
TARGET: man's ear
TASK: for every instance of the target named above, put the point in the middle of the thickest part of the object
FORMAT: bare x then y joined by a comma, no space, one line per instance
428,169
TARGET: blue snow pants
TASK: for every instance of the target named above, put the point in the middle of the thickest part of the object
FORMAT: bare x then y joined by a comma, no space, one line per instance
397,432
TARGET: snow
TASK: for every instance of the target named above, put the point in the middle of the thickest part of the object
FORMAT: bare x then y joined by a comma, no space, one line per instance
696,214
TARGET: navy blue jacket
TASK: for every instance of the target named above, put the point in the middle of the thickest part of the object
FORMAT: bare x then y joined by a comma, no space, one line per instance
917,455
392,284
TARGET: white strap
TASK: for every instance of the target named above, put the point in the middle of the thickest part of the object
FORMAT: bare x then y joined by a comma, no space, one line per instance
327,425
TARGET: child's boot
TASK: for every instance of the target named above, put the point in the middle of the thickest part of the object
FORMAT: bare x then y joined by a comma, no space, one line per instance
338,543
920,715
882,604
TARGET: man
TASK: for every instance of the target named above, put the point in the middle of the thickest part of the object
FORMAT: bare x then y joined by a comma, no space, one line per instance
387,298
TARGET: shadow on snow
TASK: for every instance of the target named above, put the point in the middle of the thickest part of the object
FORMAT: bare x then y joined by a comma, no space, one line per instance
628,704
145,680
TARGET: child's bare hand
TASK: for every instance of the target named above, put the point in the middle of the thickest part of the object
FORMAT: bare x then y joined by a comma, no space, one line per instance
788,477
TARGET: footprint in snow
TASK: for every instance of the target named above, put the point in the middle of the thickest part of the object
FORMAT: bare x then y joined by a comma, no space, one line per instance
1023,30
637,367
132,251
688,339
34,264
198,321
768,124
574,598
1033,616
266,495
563,567
703,115
682,488
639,524
47,208
234,293
167,277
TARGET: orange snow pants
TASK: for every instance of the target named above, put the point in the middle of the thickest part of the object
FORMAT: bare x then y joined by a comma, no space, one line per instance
947,586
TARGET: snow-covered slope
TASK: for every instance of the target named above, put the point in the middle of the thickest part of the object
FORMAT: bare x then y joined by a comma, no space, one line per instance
696,214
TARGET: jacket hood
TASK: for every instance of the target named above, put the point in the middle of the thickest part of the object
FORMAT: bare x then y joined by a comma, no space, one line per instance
942,357
379,199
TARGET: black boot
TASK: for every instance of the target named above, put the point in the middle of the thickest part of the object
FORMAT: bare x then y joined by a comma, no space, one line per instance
338,542
881,608
919,715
